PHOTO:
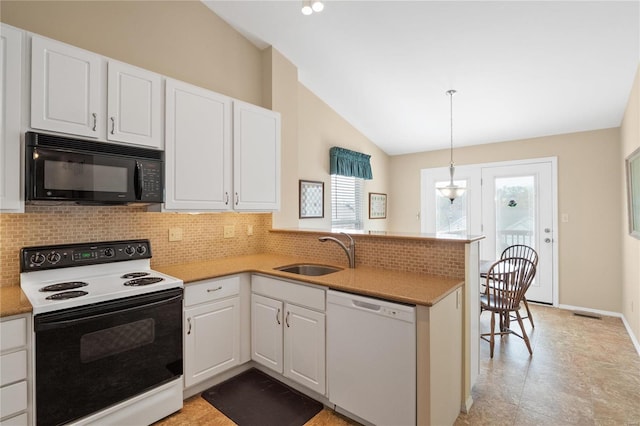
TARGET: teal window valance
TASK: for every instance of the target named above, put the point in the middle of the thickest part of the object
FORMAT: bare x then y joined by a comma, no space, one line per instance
345,162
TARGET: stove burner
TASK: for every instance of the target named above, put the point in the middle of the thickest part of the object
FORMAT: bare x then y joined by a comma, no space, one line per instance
135,275
143,281
67,295
64,286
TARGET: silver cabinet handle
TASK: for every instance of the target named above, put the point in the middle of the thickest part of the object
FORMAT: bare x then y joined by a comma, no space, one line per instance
95,121
278,316
211,290
286,320
226,198
237,198
113,126
189,324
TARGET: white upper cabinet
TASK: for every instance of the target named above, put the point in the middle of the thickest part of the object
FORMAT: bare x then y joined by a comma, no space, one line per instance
81,93
256,161
220,153
134,105
198,154
10,107
66,89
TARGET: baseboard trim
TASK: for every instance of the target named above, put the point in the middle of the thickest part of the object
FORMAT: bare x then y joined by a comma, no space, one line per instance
634,341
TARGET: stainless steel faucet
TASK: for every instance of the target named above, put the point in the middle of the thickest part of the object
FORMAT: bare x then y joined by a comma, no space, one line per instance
350,251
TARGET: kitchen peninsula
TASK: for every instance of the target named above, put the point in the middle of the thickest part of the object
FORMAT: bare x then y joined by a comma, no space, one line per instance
417,269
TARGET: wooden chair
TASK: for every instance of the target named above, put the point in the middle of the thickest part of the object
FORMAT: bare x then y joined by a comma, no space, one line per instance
521,250
507,281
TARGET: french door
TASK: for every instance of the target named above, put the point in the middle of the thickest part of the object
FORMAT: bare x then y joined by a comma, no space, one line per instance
509,203
517,208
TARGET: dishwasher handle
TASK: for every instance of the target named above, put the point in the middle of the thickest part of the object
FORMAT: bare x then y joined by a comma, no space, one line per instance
366,305
341,300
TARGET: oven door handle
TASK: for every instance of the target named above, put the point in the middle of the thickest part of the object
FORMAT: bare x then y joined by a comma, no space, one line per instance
42,324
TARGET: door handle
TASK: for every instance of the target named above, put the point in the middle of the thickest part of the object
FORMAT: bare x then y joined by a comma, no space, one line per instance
547,240
189,324
278,316
95,121
286,320
113,125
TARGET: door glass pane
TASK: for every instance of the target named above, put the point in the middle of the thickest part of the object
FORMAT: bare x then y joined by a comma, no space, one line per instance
451,218
515,212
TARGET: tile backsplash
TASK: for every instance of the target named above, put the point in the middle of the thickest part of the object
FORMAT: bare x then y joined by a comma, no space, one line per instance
203,239
433,257
202,234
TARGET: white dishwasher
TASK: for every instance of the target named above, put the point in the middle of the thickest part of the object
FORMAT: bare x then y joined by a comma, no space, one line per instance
371,358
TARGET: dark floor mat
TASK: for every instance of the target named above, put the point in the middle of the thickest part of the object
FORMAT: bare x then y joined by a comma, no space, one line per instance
255,399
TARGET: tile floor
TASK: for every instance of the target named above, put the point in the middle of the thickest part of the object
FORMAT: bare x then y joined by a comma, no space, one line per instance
583,372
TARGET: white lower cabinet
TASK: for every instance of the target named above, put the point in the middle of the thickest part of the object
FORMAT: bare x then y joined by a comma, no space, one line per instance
15,380
212,328
288,330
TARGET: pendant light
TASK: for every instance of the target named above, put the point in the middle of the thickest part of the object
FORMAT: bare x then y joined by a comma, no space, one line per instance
451,191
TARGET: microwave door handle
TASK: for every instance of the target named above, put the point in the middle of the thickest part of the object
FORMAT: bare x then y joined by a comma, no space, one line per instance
137,177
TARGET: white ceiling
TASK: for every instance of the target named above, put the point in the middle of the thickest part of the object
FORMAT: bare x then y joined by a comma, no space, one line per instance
521,69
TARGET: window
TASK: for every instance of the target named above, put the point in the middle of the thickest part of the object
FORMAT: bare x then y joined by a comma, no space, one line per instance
346,202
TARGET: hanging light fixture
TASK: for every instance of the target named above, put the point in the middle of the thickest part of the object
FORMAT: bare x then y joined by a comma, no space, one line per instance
451,191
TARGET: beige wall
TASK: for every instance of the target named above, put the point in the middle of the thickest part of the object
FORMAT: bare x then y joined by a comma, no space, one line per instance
179,39
630,136
588,167
319,129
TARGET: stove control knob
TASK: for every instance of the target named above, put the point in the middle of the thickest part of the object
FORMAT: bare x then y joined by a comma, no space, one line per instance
38,259
54,257
141,250
109,252
129,250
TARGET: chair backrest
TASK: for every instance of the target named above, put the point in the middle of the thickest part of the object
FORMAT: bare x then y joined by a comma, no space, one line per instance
508,280
521,250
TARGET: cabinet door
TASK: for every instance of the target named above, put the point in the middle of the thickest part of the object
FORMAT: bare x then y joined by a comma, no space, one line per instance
256,160
198,148
266,332
66,89
133,105
304,347
212,342
10,107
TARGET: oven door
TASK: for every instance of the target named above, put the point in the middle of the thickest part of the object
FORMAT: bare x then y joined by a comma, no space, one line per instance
65,175
92,357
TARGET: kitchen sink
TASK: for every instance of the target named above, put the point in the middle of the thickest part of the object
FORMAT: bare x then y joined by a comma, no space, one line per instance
308,269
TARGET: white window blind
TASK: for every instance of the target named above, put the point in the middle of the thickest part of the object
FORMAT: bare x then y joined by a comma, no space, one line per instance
346,202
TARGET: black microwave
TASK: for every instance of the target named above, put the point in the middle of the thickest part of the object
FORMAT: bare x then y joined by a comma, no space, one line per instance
60,169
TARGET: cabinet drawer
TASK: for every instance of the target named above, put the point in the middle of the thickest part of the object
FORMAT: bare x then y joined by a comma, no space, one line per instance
20,420
206,291
13,399
13,334
13,367
299,294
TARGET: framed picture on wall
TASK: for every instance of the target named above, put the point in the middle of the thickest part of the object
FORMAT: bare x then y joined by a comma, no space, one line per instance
311,196
633,191
377,205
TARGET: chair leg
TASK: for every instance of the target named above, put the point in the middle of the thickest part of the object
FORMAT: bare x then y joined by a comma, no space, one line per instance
492,338
524,333
526,306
